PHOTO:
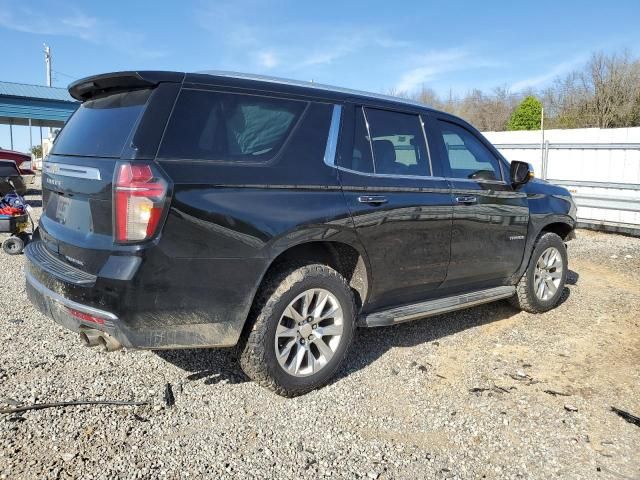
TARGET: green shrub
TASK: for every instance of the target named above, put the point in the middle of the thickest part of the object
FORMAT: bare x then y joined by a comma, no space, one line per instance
527,115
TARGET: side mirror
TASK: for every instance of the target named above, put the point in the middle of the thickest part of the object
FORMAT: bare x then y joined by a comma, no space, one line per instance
521,173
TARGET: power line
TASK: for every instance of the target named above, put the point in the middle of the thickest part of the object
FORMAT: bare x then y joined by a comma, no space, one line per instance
58,72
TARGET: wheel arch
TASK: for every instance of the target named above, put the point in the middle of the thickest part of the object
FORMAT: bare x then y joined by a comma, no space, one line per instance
561,228
347,258
345,255
561,225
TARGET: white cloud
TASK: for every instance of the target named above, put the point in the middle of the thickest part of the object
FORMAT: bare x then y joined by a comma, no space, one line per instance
76,24
435,63
326,55
80,21
247,32
268,59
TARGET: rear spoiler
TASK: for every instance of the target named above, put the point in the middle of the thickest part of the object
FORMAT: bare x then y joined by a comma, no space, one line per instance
89,87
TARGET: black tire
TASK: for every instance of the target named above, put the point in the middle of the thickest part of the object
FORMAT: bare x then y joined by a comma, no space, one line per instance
13,246
257,349
525,297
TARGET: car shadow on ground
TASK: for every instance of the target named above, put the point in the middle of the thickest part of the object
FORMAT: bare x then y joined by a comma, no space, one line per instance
221,365
211,365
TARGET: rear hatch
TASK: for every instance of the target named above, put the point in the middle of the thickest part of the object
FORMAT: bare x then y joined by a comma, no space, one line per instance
100,177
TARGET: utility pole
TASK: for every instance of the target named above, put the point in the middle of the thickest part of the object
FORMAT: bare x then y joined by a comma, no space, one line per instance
47,62
543,163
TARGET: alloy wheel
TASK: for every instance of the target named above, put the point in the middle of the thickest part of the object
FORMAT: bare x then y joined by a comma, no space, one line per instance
548,274
309,332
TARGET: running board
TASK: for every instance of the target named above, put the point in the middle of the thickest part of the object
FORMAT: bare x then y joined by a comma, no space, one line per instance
415,311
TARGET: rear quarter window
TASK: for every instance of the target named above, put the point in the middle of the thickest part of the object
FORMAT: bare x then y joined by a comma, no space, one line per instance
101,127
209,125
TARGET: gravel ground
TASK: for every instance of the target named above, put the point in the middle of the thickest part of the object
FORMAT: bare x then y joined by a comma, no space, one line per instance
456,396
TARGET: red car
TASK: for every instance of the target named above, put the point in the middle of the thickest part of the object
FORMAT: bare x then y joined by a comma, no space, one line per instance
23,161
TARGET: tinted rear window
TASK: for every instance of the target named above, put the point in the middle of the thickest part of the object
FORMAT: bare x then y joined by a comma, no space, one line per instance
101,127
226,126
8,169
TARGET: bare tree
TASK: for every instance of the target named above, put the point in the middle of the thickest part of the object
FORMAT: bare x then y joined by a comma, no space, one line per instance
488,112
429,97
605,93
614,85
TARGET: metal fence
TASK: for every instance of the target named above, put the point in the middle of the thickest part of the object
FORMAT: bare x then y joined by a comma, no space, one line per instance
604,178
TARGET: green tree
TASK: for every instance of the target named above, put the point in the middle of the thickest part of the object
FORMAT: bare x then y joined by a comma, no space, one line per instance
36,151
527,115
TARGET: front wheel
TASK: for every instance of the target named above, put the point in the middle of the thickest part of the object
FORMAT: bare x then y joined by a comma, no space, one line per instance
303,324
540,288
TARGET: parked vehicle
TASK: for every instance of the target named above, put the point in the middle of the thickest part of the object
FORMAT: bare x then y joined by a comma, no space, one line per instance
22,160
218,210
10,178
14,217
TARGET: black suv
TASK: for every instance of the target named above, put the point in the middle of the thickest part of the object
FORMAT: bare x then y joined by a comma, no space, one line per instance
190,210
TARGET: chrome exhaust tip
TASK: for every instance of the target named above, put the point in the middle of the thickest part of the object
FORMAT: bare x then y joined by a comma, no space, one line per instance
90,337
108,343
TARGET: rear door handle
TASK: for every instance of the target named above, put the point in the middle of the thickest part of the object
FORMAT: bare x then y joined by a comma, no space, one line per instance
466,199
375,199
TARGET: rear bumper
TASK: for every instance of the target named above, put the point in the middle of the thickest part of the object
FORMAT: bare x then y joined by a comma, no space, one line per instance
67,312
75,316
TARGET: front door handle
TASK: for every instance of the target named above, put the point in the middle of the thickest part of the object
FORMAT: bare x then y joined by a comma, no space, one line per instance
375,199
466,199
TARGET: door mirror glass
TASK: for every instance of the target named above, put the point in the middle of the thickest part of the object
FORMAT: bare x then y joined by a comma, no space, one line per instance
521,173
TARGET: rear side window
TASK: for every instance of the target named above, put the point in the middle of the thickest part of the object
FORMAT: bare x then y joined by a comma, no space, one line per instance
467,155
226,126
360,159
398,142
101,127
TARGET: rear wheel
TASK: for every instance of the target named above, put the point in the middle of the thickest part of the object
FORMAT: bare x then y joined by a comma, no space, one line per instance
540,288
13,246
302,328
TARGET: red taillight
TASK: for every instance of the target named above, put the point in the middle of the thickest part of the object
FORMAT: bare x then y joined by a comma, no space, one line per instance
139,200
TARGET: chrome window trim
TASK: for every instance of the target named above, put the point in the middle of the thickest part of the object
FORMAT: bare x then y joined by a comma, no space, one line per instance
480,180
75,171
366,122
426,142
389,175
332,137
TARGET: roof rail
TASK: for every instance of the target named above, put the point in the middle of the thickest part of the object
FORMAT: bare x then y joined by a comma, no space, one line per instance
313,85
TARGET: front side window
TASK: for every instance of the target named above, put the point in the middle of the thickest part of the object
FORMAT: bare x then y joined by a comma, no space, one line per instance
225,126
468,157
398,143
